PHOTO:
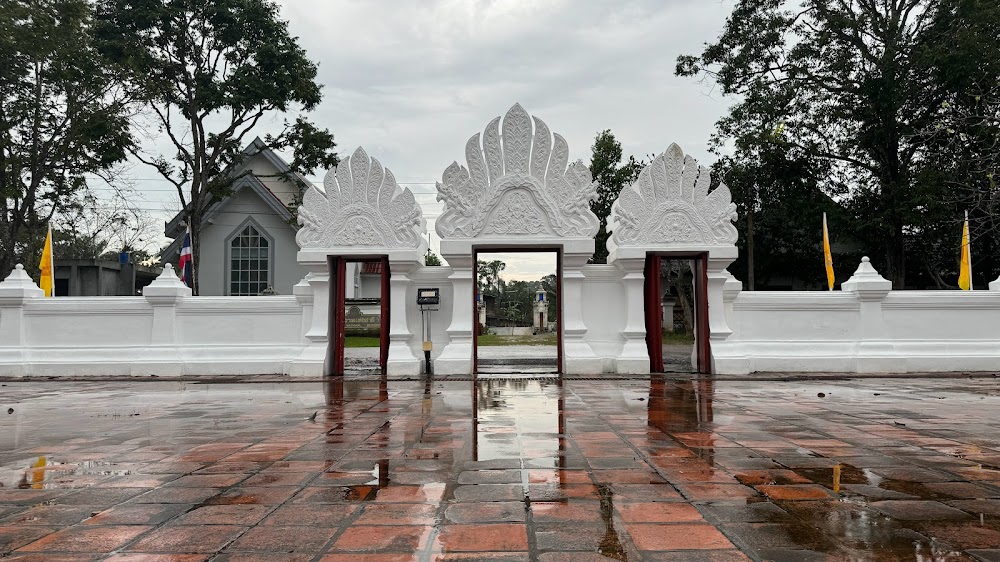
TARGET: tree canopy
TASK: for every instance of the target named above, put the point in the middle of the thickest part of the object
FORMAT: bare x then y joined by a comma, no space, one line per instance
859,93
208,73
63,116
611,175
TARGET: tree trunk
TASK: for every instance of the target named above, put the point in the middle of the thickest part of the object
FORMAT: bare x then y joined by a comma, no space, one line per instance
750,275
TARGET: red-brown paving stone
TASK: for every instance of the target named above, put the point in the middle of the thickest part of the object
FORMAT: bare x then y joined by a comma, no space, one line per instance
137,514
648,536
86,539
796,492
371,538
263,557
253,495
985,555
309,514
556,492
52,557
176,495
573,557
482,537
243,467
188,539
12,537
54,515
557,476
147,557
702,492
569,537
963,536
658,512
490,477
283,539
273,478
571,511
486,512
139,481
776,476
646,492
207,480
427,493
703,556
360,557
918,510
963,490
480,557
397,514
489,492
244,515
627,477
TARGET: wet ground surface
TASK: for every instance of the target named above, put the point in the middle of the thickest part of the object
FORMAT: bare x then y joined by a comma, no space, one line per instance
504,470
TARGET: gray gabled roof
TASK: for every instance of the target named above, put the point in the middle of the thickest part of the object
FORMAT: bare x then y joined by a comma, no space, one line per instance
175,226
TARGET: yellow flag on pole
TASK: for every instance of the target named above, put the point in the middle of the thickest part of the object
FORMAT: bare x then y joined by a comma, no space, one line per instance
965,269
47,281
827,256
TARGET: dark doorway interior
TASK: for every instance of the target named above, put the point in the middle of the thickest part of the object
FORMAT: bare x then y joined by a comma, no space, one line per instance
677,313
359,324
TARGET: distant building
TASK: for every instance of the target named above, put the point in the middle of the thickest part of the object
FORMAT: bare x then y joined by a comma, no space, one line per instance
101,278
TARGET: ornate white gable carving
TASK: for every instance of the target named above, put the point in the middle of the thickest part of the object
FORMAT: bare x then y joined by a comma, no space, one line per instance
363,206
669,204
517,183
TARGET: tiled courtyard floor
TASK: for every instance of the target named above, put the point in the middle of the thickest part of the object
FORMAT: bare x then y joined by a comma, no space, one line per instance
502,470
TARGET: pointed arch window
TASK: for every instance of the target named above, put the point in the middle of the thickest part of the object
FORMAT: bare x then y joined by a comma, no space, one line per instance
249,260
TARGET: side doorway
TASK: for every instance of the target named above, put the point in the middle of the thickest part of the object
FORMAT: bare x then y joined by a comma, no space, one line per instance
363,318
676,310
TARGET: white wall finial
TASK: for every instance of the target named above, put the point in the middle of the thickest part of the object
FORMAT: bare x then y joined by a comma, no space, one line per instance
995,285
867,282
362,206
19,285
519,182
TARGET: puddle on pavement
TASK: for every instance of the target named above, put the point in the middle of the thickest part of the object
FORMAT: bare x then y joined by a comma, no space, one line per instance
47,473
610,544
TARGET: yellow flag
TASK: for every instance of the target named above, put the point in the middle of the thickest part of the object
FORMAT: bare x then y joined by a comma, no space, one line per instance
47,282
965,269
827,256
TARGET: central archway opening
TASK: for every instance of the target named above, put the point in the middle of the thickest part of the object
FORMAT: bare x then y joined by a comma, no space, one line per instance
359,316
517,324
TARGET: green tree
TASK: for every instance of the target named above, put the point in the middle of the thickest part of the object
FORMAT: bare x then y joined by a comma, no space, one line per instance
430,258
209,72
611,176
850,87
63,115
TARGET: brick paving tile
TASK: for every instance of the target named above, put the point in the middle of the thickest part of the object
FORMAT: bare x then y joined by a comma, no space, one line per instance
397,514
245,515
207,480
482,537
480,557
697,556
54,515
137,514
986,555
310,514
20,535
796,492
86,539
188,539
486,512
283,539
562,537
918,510
658,512
373,538
684,536
359,557
148,557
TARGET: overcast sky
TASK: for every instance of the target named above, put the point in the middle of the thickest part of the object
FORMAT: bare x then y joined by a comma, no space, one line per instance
411,81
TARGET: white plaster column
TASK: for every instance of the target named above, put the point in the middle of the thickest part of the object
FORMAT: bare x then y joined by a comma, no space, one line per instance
718,326
401,360
163,357
578,357
304,296
15,291
875,353
634,357
456,356
728,358
310,362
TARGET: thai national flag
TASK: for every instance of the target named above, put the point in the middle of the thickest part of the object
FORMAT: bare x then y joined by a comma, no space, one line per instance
186,263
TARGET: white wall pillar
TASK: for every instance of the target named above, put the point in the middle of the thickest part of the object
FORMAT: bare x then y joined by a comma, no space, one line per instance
163,357
634,357
15,291
995,285
310,362
578,357
401,360
456,357
876,354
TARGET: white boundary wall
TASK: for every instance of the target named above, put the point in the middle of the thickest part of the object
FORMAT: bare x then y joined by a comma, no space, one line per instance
864,328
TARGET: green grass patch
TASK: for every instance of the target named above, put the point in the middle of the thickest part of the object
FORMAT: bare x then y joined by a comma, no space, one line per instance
495,340
677,337
361,341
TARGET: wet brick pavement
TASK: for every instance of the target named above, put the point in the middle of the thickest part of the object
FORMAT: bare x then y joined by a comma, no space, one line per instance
502,470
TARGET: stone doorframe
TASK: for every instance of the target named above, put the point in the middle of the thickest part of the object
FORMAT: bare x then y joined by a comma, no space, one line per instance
670,210
518,190
361,213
